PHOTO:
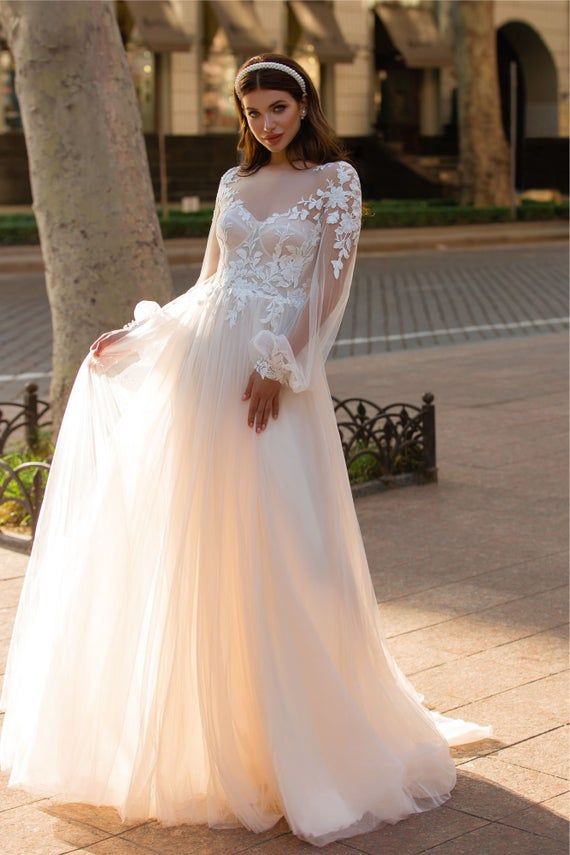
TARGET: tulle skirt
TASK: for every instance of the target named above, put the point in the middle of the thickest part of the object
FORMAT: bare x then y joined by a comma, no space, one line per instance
197,638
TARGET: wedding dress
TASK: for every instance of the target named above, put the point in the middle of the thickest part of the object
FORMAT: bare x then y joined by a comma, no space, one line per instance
197,638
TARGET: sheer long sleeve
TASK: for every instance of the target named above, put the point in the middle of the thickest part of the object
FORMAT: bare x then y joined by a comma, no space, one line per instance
292,354
212,252
144,309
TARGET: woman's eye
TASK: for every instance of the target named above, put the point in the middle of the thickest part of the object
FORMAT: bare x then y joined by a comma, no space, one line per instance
254,114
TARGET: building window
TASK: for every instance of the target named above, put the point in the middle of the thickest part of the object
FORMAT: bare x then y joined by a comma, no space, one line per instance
219,69
10,119
302,50
142,65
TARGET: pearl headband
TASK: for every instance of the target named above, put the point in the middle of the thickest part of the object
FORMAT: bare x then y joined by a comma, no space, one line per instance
278,66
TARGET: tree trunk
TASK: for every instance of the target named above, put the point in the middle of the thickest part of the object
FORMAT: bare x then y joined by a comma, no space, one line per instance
92,195
484,154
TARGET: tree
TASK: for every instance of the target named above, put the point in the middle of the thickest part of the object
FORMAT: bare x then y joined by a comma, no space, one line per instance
91,188
484,154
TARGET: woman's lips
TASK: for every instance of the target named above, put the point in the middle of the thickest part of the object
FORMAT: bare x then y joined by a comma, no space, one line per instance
273,139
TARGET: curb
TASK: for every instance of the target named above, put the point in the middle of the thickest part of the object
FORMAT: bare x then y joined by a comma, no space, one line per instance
184,251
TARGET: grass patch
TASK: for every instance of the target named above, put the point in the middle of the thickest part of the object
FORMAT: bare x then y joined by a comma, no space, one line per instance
366,465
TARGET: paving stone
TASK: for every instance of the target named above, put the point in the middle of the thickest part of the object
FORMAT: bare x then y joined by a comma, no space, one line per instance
10,797
35,830
10,592
498,839
202,840
417,833
101,817
548,752
4,645
491,789
522,712
494,671
549,818
113,846
469,595
7,621
463,636
12,564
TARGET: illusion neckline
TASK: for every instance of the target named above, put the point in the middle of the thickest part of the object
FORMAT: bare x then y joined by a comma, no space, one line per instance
244,207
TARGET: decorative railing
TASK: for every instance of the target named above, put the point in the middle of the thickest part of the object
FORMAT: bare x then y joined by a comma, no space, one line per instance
387,446
29,417
383,447
23,471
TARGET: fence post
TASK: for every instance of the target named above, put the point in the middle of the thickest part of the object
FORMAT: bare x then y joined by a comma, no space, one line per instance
428,416
31,413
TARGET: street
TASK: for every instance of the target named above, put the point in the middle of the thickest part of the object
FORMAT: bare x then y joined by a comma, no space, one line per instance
398,302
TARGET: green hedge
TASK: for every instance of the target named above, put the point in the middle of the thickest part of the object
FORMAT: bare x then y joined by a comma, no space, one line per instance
18,229
442,212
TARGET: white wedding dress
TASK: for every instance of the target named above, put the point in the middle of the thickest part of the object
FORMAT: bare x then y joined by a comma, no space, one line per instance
197,638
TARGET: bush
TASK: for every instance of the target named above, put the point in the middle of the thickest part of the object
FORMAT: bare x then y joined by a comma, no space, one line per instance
18,229
13,514
21,229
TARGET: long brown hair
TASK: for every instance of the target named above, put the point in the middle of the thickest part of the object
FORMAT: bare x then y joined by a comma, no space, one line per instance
316,141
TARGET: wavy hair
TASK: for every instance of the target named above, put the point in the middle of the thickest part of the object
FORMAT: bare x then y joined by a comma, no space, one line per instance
316,140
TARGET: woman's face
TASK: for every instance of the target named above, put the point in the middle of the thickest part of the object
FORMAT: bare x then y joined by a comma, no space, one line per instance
273,116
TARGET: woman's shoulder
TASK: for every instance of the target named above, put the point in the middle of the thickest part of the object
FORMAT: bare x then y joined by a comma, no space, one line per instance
339,172
341,167
228,174
340,178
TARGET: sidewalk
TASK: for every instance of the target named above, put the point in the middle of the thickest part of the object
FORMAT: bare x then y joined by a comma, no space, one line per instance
180,251
471,576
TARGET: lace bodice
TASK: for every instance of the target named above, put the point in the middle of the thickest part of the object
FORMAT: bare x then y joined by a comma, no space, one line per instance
292,267
271,259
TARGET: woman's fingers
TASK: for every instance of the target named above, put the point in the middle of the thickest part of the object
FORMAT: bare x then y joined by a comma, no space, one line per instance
253,405
97,345
249,387
263,401
107,338
259,412
263,414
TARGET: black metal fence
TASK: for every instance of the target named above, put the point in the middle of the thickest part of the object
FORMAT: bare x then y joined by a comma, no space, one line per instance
387,446
23,479
383,447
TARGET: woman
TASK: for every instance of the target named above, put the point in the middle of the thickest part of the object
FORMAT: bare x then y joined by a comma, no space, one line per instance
197,638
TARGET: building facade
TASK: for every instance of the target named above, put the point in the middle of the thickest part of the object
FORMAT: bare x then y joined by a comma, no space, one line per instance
384,71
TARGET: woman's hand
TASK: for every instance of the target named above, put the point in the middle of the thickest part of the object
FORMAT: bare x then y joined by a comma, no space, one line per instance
264,400
106,338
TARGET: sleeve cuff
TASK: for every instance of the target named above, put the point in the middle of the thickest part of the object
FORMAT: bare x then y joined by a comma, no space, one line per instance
273,357
144,309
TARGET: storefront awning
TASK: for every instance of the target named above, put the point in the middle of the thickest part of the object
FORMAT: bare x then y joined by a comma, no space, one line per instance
244,31
414,34
159,26
320,27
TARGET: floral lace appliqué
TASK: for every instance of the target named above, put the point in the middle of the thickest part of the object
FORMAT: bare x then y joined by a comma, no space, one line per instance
281,277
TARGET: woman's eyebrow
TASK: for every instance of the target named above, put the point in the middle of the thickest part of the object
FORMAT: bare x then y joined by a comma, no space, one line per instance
271,105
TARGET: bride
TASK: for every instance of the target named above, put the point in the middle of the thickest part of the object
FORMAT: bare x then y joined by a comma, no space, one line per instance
197,639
